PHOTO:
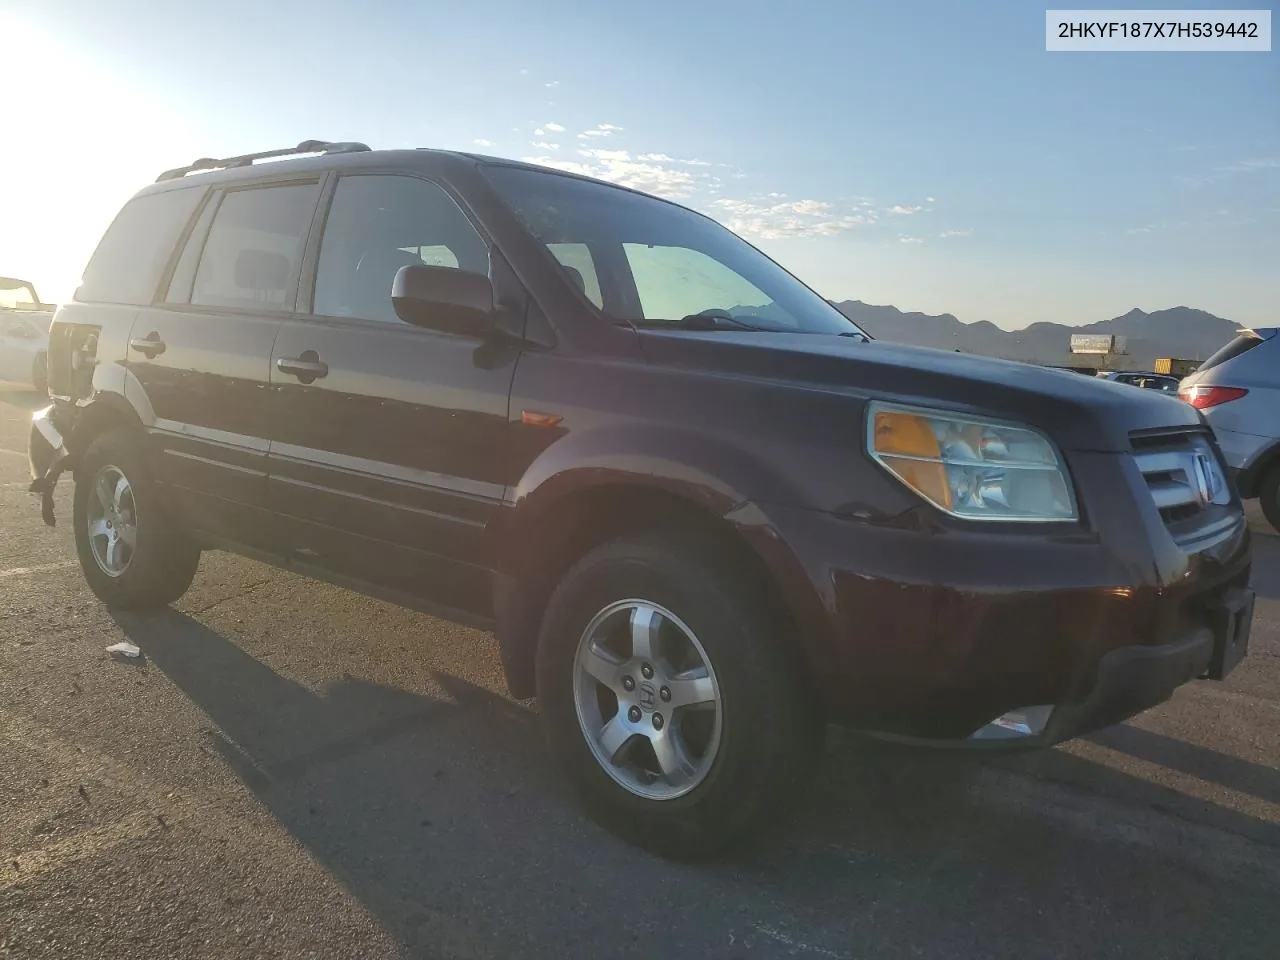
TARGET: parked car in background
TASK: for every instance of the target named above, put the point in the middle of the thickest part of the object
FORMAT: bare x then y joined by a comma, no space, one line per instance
1238,391
703,512
24,333
1148,381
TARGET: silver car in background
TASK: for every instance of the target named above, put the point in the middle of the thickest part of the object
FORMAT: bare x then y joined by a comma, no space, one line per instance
1238,391
24,333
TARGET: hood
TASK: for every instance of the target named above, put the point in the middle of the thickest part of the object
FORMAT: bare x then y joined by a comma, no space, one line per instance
1079,412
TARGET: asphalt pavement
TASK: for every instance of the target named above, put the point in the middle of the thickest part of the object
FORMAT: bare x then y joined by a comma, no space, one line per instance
293,770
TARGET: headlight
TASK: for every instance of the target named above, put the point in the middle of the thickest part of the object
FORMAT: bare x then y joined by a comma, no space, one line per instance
971,468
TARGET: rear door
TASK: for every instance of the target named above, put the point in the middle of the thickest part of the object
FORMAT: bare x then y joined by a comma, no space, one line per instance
201,358
388,440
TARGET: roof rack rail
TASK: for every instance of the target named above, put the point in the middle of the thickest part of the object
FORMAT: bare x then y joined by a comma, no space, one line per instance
245,160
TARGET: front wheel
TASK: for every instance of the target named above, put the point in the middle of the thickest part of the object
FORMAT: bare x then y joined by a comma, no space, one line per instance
132,555
669,698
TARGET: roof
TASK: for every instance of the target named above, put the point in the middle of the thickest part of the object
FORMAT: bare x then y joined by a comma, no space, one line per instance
319,155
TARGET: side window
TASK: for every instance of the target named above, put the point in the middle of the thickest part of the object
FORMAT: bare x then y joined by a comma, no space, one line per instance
254,248
378,224
134,251
577,260
674,282
1241,344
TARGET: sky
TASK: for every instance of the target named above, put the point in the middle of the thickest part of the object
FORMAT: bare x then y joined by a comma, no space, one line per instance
930,155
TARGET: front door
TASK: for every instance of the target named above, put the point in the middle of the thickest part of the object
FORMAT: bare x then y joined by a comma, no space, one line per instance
201,359
388,440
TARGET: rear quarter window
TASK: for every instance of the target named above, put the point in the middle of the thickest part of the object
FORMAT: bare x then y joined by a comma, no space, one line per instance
132,255
1241,344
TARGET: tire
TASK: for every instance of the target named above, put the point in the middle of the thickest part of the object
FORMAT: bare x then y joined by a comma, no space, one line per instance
764,732
161,563
1269,496
40,374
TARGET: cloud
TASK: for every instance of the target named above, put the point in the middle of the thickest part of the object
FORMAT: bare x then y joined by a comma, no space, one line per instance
541,145
524,72
945,234
910,240
552,84
772,219
620,167
554,127
1159,227
482,142
929,200
1252,165
903,211
599,130
1239,168
664,158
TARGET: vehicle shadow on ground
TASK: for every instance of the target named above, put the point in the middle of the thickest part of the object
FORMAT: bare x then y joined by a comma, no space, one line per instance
441,815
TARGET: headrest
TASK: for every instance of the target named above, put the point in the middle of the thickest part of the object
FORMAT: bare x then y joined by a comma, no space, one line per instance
261,270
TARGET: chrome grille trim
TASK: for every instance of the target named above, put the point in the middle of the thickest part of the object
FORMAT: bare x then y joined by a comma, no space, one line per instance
1183,475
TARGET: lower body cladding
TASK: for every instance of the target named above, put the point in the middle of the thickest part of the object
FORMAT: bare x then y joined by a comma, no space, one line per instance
1004,639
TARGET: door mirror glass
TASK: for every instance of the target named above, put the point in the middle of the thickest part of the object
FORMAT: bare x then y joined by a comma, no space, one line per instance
444,298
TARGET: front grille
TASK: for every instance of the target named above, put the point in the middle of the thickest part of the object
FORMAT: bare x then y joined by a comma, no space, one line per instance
1185,478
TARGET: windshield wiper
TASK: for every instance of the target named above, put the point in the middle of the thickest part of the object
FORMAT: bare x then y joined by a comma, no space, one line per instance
697,321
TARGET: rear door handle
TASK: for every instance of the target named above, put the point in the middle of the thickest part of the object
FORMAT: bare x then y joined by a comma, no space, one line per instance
306,368
151,345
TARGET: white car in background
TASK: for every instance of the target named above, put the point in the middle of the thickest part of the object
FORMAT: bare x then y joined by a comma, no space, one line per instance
1238,391
24,334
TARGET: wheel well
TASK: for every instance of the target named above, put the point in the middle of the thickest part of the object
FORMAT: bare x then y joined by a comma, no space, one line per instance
560,536
1251,480
95,420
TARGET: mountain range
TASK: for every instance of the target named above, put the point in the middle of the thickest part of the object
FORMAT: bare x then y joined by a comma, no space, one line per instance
1180,332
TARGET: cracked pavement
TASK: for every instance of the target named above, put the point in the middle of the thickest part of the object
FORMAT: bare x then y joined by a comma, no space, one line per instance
293,770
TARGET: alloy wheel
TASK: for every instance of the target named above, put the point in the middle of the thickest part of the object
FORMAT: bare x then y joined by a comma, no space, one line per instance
112,518
647,699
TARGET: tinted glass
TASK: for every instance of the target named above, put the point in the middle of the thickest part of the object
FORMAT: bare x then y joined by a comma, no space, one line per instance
132,255
1241,344
251,256
680,262
578,263
378,224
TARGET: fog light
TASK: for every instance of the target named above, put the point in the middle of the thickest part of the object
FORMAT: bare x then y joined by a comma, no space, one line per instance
1023,722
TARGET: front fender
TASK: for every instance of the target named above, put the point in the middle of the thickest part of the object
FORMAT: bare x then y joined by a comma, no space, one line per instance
688,462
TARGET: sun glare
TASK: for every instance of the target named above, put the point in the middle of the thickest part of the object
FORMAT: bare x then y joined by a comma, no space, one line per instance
80,140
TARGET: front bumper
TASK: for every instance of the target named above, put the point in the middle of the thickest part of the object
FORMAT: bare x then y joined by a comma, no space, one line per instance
47,455
928,633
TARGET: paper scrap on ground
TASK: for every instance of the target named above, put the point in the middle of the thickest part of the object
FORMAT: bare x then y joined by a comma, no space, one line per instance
125,648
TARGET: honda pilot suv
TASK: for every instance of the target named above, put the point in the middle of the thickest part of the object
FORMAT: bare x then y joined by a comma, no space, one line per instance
704,514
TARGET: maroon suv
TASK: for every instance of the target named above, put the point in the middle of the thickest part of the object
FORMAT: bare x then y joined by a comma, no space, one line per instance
704,513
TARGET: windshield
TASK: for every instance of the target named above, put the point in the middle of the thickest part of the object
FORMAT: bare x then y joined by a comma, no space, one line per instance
645,261
17,294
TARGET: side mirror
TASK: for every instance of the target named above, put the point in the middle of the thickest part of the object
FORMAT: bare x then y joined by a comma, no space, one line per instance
444,298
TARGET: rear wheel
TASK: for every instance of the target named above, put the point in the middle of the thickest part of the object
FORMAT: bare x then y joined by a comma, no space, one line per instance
1269,496
668,698
132,555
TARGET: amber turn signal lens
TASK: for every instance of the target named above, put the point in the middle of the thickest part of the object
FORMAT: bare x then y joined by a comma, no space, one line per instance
910,436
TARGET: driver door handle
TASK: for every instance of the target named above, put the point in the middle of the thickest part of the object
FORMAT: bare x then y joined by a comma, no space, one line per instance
151,345
306,368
